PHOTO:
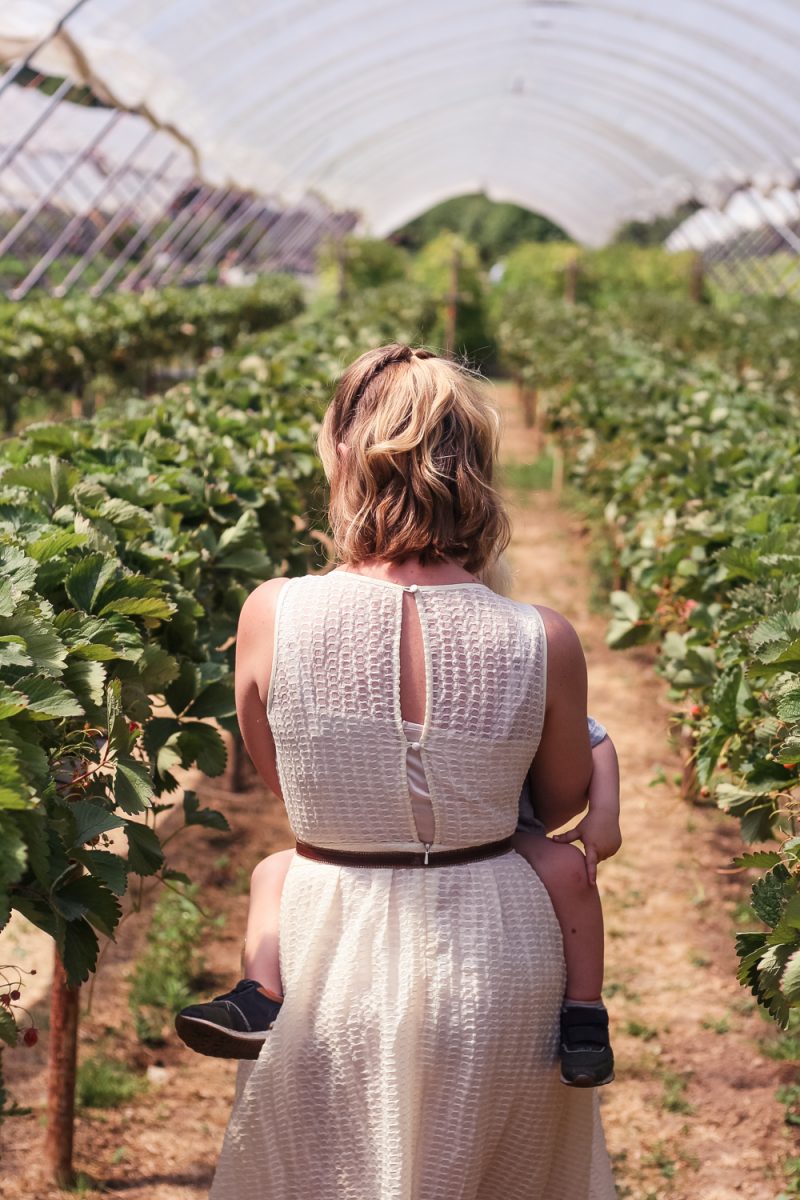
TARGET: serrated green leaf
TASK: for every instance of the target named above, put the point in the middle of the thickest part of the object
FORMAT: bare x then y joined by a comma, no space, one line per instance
87,680
216,700
145,856
42,646
89,820
790,981
8,1027
175,876
12,701
78,946
109,868
133,786
53,545
87,579
139,606
758,858
49,700
195,815
201,744
86,897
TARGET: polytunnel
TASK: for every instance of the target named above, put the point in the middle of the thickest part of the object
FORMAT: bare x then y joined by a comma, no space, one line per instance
591,113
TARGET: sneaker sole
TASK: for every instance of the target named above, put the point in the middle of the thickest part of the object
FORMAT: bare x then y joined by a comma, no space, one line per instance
586,1081
207,1038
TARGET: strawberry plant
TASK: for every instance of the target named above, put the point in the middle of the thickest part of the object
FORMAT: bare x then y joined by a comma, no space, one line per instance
690,459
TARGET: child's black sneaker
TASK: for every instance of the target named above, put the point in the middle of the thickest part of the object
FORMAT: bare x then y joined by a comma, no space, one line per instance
233,1025
586,1056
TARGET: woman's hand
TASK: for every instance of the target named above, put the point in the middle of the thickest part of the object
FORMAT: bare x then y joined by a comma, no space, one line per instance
600,833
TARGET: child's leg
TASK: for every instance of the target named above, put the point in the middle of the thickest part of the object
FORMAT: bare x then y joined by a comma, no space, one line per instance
260,957
562,869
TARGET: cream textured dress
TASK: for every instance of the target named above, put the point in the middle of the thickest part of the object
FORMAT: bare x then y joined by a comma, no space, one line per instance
415,1056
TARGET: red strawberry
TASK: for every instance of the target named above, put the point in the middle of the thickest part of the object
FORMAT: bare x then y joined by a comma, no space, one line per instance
696,710
15,995
31,1036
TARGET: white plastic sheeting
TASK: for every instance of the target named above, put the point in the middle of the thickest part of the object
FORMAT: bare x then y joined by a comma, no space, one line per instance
589,112
130,163
747,211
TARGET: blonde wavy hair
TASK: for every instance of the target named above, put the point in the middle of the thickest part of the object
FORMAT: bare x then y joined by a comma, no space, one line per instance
422,438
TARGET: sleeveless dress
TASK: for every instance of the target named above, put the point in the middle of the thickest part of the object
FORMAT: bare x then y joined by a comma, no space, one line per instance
415,1055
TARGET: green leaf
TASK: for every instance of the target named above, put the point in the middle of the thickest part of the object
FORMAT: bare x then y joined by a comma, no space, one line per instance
86,897
208,817
87,680
758,858
769,894
109,868
86,580
789,706
89,820
42,647
12,701
217,700
133,785
175,876
145,856
139,606
13,860
48,700
790,982
78,946
8,1027
202,745
53,545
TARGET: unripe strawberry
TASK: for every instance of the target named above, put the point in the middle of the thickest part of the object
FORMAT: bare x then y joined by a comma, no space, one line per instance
31,1036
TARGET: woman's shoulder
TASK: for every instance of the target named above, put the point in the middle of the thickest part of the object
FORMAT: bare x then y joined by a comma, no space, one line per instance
563,642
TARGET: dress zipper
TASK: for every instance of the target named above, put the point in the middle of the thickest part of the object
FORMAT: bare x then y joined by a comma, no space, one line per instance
427,846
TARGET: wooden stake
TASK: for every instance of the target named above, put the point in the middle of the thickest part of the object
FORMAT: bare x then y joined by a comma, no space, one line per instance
697,275
689,788
528,398
62,1065
558,470
571,275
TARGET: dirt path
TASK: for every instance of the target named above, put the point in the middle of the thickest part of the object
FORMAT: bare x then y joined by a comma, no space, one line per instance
693,1114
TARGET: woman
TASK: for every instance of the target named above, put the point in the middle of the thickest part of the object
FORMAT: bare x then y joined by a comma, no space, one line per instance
415,1054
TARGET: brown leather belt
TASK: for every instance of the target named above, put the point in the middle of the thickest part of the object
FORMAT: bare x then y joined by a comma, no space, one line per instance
405,858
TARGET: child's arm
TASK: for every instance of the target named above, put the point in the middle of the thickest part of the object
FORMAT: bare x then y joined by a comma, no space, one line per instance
599,828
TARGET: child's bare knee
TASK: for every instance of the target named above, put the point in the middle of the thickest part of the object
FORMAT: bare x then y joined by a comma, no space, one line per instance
270,868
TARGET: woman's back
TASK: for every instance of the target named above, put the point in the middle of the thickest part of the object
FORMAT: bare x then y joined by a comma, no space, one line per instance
335,708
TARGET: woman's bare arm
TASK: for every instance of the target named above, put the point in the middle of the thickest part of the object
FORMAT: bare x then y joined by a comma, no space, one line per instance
562,767
254,647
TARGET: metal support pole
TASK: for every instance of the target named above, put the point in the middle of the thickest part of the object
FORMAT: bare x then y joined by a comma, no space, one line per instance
181,219
44,116
113,225
59,181
31,278
127,253
255,235
196,239
212,251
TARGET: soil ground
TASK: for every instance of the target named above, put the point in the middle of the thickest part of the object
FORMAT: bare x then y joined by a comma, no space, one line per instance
693,1113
